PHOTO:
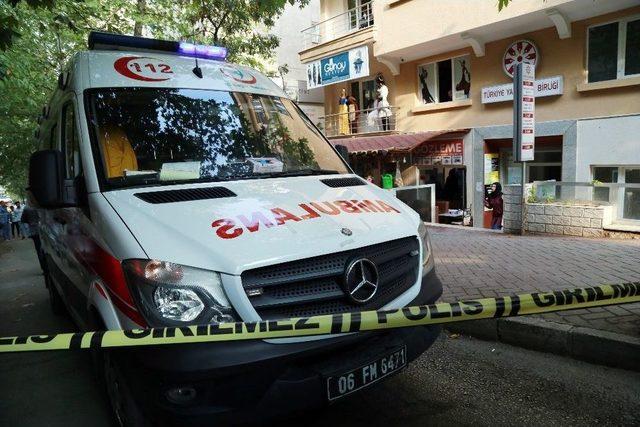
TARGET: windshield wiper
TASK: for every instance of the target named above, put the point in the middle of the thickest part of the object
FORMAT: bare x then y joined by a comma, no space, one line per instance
142,180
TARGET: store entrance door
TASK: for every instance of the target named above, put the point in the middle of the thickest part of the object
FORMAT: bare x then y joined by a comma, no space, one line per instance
450,189
500,167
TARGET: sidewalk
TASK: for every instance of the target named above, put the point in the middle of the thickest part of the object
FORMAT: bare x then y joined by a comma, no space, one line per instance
476,264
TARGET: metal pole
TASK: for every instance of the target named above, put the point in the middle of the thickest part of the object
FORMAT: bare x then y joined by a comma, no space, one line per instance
524,199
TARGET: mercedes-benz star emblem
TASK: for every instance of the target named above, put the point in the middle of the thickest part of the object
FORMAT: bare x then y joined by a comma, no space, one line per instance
346,232
361,280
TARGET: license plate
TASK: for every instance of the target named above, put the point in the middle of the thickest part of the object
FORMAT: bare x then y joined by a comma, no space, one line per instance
342,385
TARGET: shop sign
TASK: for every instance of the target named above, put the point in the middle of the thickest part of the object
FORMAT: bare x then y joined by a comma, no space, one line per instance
550,86
525,125
439,153
349,65
519,52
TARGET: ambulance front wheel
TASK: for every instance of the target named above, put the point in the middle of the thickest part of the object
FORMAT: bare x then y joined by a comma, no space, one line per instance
124,408
55,300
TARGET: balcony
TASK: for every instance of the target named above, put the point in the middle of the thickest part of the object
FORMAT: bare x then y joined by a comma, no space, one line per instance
362,122
351,21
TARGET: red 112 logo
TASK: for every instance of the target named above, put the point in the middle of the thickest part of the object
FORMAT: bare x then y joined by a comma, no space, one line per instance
143,68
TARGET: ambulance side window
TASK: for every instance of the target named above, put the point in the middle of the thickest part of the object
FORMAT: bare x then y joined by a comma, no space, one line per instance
70,142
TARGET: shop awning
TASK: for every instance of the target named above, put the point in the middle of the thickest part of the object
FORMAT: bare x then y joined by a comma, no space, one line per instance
397,142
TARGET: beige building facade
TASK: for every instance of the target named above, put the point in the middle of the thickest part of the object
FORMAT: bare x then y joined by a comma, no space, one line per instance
446,65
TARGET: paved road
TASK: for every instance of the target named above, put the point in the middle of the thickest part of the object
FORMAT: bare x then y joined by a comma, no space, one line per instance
460,380
476,264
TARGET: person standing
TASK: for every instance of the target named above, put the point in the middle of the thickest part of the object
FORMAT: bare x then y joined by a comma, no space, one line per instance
5,221
14,226
18,211
30,221
494,201
16,217
452,190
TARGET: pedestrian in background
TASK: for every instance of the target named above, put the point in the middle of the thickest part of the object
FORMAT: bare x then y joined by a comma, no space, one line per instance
5,222
16,217
24,225
30,221
494,202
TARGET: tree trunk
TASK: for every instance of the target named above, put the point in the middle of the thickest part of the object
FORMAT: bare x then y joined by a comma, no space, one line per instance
141,7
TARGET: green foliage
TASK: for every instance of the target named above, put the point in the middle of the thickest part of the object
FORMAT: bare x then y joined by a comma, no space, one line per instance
37,38
502,4
531,197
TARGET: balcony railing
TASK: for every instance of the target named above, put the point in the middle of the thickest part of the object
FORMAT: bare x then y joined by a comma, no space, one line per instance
330,29
372,120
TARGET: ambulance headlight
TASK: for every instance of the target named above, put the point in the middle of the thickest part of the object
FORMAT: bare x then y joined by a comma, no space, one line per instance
426,248
182,305
170,294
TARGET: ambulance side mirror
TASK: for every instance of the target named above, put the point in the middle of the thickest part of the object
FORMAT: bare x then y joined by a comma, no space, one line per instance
344,152
48,188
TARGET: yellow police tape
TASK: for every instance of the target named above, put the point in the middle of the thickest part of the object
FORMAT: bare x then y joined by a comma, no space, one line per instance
507,306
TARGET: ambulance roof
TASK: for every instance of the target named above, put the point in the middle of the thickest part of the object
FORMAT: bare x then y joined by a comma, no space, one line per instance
118,68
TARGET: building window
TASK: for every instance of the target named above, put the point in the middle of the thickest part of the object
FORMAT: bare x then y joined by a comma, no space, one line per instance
614,50
626,196
360,14
605,174
631,195
365,92
445,81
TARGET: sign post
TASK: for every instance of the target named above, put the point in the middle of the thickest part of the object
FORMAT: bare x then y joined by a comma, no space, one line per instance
524,123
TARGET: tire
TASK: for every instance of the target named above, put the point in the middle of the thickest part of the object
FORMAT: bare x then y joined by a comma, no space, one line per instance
125,412
55,300
124,408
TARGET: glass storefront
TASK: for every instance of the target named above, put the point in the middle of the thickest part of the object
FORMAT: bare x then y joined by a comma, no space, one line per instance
624,197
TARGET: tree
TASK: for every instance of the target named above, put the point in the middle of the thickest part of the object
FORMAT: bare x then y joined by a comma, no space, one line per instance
502,4
37,38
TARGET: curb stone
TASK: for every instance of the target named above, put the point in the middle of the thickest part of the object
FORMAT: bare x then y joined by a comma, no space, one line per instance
591,345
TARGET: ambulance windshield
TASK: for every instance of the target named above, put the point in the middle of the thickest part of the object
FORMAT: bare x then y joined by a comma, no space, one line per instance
156,136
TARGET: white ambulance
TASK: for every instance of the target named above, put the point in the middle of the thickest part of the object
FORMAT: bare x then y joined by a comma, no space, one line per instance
178,189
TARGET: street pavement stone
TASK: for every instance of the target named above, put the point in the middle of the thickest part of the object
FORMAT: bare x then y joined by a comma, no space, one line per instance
476,264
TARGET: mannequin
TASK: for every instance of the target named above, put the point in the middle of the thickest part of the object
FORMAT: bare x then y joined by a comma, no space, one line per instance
343,110
384,112
352,105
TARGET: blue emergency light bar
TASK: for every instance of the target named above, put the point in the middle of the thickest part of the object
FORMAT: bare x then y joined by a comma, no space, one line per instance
109,41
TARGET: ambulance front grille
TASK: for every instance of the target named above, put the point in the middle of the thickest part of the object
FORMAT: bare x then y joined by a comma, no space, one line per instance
314,286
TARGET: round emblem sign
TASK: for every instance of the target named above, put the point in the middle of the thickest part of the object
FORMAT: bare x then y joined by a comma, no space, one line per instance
520,51
238,75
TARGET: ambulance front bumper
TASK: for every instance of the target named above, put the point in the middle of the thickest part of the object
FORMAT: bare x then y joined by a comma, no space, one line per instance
243,381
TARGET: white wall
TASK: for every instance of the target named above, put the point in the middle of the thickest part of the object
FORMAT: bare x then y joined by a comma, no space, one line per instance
288,28
611,141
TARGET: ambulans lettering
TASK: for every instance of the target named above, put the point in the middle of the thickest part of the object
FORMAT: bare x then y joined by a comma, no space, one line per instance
227,228
283,216
257,218
230,228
